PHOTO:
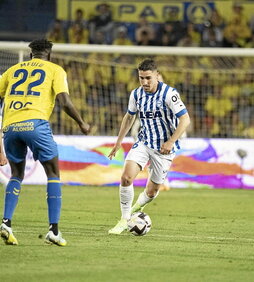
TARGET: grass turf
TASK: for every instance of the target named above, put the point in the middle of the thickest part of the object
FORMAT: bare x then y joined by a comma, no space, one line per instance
196,235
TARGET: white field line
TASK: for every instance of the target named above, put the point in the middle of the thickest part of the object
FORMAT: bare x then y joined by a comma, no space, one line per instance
187,237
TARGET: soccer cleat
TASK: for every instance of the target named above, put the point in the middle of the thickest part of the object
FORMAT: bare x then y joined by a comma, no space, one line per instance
119,228
51,238
137,208
7,235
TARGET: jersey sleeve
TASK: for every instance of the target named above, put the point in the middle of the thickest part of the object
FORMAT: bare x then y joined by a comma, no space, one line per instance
174,102
132,107
3,84
60,83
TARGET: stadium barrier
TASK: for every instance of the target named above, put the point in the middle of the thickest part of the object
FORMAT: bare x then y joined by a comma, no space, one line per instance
201,163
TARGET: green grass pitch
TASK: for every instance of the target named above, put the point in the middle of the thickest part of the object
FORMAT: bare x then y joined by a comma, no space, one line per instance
197,235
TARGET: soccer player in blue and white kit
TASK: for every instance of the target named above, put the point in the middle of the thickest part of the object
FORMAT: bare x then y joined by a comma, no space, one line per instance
29,90
164,118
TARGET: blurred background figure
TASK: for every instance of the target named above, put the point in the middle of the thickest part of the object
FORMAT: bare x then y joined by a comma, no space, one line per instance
78,31
145,39
121,37
217,20
144,28
102,22
169,35
236,32
211,37
79,18
56,32
78,34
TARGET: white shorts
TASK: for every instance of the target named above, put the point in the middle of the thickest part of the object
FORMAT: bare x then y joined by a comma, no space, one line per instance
159,164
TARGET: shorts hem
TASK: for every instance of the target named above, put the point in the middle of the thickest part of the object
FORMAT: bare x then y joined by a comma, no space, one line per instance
47,159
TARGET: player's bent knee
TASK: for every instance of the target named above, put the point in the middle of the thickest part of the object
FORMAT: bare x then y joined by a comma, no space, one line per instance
126,180
152,194
152,189
51,167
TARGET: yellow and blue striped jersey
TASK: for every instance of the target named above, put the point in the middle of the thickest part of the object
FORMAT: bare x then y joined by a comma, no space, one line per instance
29,90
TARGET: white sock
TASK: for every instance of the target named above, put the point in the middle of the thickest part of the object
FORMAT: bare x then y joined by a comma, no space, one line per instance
126,199
3,179
143,198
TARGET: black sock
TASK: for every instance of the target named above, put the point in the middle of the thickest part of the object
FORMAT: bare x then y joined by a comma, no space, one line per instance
54,227
6,221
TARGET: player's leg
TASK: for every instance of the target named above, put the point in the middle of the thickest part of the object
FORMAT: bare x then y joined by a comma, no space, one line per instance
159,166
15,150
54,201
45,150
135,161
126,194
131,170
11,199
145,197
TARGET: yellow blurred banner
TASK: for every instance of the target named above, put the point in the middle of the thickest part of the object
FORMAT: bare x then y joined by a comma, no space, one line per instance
155,11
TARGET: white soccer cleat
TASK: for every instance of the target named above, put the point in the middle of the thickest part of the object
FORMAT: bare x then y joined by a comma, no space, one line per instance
7,235
119,228
51,238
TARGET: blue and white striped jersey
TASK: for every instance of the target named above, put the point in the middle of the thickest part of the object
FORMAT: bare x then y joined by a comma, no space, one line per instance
158,113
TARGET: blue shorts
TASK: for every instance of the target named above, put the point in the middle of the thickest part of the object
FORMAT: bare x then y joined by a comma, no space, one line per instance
33,133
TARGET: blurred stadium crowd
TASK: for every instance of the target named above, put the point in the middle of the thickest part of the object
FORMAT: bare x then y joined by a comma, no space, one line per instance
101,29
218,91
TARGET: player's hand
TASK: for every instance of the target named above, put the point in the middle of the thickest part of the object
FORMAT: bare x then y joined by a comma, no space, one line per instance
113,151
3,160
166,148
85,128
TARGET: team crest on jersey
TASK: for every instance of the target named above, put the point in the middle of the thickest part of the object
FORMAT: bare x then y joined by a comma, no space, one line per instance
159,104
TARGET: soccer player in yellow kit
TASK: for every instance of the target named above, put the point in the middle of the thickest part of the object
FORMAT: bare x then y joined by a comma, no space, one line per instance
30,89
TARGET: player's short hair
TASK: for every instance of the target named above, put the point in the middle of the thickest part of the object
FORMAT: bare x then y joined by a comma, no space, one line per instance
40,46
147,64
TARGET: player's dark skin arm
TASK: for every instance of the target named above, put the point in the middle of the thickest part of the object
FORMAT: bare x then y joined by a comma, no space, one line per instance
3,160
70,110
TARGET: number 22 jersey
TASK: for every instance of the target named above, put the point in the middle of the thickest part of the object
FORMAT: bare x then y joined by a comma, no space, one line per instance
29,90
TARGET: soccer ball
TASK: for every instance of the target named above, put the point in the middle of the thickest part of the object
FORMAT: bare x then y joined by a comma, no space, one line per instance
139,224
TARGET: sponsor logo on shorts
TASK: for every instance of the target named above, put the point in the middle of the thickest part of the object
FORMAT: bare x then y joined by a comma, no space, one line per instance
22,126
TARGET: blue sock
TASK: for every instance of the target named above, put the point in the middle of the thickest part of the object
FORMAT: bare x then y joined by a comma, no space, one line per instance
54,199
12,192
